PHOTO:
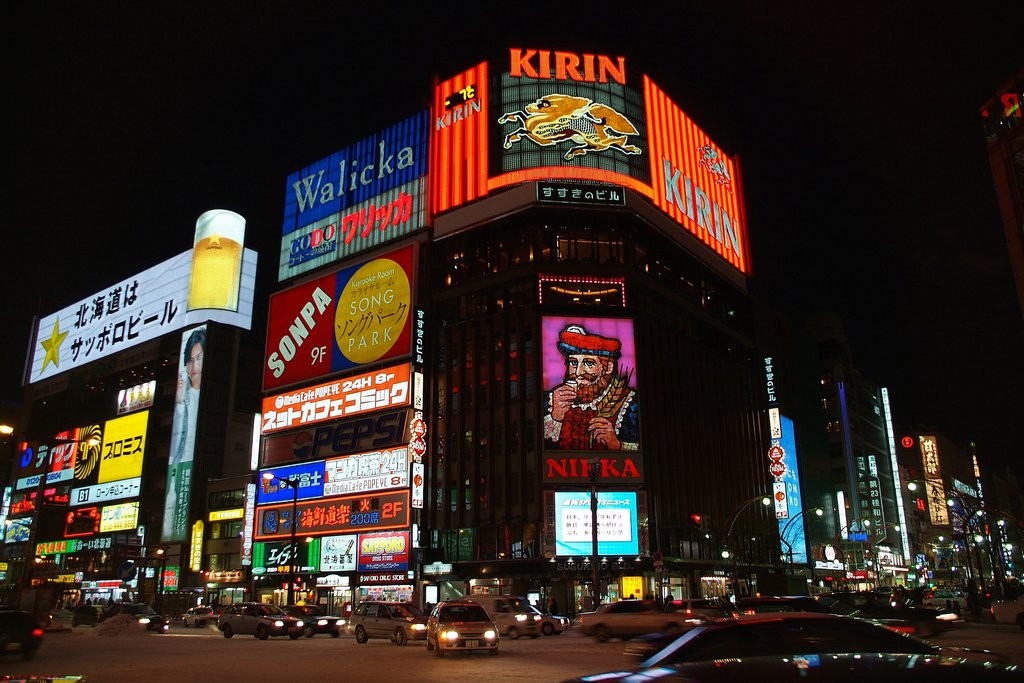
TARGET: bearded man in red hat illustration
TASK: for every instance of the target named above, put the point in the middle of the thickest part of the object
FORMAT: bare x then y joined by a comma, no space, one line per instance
594,408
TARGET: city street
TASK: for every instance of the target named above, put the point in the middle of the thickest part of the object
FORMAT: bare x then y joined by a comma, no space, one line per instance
203,655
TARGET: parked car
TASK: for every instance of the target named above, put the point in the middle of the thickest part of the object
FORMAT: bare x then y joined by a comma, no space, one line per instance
20,633
1008,611
87,615
259,619
316,620
398,621
141,612
200,615
460,626
945,598
512,614
815,668
626,619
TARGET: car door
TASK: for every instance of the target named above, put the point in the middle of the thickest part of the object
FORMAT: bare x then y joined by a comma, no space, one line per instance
371,621
249,619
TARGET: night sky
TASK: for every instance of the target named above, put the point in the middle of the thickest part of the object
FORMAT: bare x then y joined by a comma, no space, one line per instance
867,184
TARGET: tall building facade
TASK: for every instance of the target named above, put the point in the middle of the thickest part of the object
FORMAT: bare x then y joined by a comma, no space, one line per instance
528,306
135,397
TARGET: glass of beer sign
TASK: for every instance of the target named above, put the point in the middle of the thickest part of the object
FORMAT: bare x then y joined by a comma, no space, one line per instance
217,261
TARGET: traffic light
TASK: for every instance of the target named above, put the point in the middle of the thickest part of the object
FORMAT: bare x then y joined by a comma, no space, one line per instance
698,520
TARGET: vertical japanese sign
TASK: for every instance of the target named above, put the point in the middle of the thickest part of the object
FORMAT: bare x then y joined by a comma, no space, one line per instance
183,435
934,489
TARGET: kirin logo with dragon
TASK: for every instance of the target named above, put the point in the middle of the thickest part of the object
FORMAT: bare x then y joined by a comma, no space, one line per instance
590,126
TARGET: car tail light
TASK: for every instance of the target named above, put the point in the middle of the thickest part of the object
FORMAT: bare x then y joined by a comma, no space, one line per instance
902,629
37,633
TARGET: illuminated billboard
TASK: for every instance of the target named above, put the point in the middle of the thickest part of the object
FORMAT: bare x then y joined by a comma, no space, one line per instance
791,525
368,392
590,384
122,517
387,551
142,308
338,553
365,195
62,458
124,447
308,479
192,357
617,517
693,181
354,316
332,516
935,490
550,115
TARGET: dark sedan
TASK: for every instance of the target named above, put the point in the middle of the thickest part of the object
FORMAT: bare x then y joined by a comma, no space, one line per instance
20,633
919,621
794,633
142,613
316,620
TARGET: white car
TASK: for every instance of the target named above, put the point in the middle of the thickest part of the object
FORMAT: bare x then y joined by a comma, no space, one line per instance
1009,612
945,599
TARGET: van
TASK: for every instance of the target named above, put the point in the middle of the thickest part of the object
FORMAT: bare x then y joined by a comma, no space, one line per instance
512,614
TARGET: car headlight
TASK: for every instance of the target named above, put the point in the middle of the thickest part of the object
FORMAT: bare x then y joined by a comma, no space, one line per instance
279,624
520,617
537,617
450,635
490,634
144,620
947,616
298,623
322,622
419,627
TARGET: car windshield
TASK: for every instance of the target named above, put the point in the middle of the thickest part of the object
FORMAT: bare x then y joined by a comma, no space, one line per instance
463,613
141,609
271,611
409,611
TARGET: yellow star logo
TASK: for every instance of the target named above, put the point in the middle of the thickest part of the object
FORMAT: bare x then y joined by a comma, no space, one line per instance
52,346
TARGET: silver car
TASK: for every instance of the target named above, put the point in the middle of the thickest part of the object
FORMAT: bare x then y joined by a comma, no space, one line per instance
400,622
258,619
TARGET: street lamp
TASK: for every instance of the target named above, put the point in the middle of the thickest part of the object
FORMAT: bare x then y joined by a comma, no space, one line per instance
785,529
730,522
293,484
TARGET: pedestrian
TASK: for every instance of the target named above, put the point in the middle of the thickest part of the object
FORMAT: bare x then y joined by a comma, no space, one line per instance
973,602
552,605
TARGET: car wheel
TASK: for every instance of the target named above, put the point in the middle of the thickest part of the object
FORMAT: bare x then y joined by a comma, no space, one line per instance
262,633
226,629
602,635
438,651
399,636
308,631
548,630
361,636
493,652
430,645
513,632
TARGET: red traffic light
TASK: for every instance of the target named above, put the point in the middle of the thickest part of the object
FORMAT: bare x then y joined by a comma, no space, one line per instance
697,519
